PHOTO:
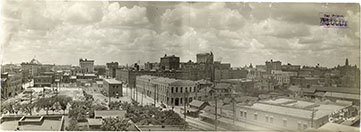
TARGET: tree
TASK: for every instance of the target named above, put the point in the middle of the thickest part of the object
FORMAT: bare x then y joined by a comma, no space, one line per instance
115,124
115,105
63,100
26,107
78,110
8,106
73,125
45,103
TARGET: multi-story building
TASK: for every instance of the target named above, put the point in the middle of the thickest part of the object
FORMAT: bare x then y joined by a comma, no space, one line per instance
11,84
169,62
282,77
291,114
151,66
290,67
112,68
100,70
87,66
43,81
113,87
273,65
205,58
172,92
30,69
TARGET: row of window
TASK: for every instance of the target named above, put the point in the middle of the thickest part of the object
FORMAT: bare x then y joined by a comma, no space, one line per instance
42,80
186,89
269,119
116,86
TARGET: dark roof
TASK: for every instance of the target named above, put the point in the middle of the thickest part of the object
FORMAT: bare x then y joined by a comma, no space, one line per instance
222,85
337,89
309,90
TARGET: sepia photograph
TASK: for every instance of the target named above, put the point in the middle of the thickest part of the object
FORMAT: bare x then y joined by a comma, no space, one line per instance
102,65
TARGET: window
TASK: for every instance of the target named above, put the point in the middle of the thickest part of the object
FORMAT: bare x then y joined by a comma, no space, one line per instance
176,89
271,119
241,113
266,118
284,122
186,89
255,116
304,126
299,126
172,89
245,114
181,89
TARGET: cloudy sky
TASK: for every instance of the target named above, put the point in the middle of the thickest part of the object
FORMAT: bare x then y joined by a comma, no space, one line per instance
61,32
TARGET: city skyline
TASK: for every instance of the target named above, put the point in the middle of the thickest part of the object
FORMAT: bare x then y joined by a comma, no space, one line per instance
125,32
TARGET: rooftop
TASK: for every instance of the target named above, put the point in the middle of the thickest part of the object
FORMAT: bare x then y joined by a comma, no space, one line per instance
112,81
110,113
342,95
32,123
295,108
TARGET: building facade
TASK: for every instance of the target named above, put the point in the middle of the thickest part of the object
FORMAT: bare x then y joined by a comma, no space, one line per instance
87,66
288,114
169,62
11,84
273,65
172,92
112,67
113,87
43,81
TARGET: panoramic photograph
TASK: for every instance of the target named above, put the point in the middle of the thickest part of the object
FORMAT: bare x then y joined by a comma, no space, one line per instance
179,66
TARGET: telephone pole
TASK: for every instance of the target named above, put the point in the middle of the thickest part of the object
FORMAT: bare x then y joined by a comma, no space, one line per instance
312,116
216,113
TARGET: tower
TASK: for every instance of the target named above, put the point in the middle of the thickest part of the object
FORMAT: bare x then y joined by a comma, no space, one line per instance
346,62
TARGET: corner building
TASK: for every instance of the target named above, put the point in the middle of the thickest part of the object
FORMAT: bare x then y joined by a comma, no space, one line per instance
172,92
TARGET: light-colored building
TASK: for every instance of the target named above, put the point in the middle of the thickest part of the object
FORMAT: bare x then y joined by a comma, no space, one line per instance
172,92
289,114
87,66
113,87
283,77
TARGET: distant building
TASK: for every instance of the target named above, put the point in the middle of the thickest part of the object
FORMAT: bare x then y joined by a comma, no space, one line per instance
11,84
100,70
113,87
112,67
205,58
273,65
169,62
30,69
151,66
172,92
283,77
290,67
43,81
87,66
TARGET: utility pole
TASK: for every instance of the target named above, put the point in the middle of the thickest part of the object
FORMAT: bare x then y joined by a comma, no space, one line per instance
234,110
143,91
216,113
312,116
154,101
184,105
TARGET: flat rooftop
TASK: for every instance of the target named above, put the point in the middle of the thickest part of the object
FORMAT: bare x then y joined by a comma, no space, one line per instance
47,124
112,81
296,108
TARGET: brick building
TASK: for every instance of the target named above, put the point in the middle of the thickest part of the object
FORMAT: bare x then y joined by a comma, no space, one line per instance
11,84
113,87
